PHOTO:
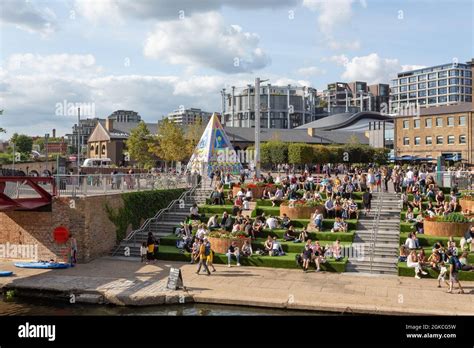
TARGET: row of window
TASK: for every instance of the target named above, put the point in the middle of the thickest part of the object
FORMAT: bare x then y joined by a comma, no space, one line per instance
450,122
432,84
432,76
439,140
434,100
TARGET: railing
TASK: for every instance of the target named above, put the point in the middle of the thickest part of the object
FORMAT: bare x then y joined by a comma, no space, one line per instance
99,184
375,228
463,179
132,237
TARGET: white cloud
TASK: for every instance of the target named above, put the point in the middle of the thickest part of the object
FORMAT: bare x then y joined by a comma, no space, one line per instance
283,81
165,9
338,59
26,15
338,45
205,40
65,64
311,71
371,68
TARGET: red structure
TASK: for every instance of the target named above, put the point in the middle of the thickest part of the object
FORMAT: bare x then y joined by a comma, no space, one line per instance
26,203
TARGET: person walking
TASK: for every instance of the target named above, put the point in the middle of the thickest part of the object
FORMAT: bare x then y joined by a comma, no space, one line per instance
73,242
202,258
150,243
454,267
367,200
209,254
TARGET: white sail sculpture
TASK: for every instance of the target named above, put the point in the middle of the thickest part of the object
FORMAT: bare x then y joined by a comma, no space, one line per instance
214,152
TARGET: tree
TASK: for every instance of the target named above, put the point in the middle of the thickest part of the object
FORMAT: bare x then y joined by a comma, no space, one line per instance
138,145
169,142
192,135
23,143
300,153
2,130
321,154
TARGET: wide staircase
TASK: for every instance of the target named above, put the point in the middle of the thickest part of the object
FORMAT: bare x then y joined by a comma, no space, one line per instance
380,234
164,222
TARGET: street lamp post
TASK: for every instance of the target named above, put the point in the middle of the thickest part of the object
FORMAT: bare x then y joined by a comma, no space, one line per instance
46,137
257,125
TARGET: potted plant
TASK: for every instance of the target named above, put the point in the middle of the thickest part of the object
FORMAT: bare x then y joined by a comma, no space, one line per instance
300,209
451,225
221,240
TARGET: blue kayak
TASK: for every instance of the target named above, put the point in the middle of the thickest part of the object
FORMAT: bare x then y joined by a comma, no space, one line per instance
42,265
5,273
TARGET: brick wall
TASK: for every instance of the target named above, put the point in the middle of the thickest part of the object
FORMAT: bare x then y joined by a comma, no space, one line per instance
86,219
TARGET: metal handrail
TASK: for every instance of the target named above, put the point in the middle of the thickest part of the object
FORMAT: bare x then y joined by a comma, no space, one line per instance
375,227
132,236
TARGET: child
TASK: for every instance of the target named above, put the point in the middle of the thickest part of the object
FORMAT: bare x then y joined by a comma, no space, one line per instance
442,275
143,251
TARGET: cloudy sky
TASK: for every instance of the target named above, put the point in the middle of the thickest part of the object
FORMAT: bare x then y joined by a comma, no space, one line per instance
152,56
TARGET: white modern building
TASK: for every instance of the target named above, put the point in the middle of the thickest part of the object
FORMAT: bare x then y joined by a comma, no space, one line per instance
437,85
185,117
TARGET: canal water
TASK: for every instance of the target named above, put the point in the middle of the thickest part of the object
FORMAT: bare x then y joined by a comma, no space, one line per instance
22,306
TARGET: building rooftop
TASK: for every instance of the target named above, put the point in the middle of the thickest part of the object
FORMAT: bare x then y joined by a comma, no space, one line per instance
344,120
237,134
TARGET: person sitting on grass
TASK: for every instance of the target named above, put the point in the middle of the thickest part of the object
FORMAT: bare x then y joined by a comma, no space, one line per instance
233,251
336,250
212,223
307,255
303,237
453,201
195,251
201,232
464,262
318,220
318,255
248,195
339,226
227,222
194,213
247,249
285,221
403,253
271,223
288,236
330,207
278,197
434,259
277,249
353,209
266,194
416,202
412,262
268,245
410,216
422,257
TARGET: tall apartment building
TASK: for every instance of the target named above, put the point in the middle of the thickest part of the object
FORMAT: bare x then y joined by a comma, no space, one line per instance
356,96
185,117
283,107
433,86
126,116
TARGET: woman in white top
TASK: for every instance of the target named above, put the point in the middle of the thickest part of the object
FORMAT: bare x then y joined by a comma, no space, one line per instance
412,262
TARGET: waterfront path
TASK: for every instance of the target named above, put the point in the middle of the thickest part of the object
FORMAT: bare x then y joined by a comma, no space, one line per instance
128,282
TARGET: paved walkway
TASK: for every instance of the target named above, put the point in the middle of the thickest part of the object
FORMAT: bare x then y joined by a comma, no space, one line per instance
127,282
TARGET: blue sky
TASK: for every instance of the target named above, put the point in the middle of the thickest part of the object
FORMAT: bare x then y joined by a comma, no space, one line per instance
153,56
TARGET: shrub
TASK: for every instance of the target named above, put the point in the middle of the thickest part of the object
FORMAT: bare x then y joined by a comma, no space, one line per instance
453,217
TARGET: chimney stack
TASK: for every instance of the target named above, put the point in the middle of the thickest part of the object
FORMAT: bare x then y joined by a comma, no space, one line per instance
54,133
109,124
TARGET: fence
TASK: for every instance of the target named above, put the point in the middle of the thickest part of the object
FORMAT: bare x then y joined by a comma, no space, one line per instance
97,184
464,180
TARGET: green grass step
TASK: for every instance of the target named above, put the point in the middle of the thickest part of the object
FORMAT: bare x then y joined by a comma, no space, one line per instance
171,253
405,271
428,241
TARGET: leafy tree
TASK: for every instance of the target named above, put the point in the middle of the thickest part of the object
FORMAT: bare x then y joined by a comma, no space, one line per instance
2,130
300,153
321,154
23,143
169,142
138,145
192,135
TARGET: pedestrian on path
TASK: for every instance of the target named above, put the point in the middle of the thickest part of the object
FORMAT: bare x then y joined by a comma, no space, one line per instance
454,267
209,254
150,257
367,200
202,258
73,242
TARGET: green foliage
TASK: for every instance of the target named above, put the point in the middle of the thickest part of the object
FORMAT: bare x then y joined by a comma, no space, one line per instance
140,206
274,152
2,130
453,217
138,145
321,154
23,143
170,142
300,153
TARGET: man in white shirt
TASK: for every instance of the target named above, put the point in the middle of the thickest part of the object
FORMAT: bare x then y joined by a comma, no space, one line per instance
271,223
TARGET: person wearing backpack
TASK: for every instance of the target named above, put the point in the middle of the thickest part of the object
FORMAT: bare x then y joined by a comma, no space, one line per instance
209,254
454,268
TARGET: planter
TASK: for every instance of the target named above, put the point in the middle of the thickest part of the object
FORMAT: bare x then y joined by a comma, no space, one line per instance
466,204
300,212
445,229
221,245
